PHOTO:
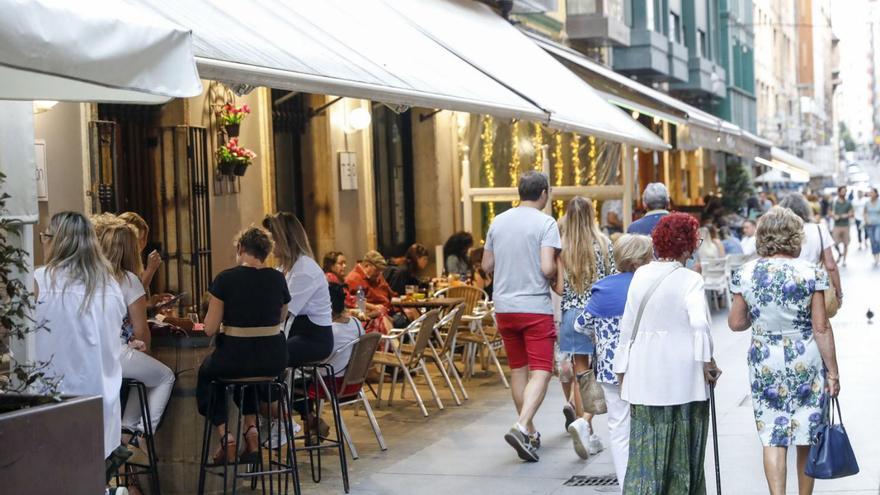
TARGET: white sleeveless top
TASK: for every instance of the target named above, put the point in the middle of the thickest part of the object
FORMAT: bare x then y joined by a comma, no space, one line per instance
83,346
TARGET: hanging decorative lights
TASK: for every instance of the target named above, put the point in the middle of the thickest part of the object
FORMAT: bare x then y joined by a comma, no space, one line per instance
538,141
559,172
514,161
576,158
487,138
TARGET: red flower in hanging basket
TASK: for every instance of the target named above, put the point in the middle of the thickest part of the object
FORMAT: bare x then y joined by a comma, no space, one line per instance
231,152
231,114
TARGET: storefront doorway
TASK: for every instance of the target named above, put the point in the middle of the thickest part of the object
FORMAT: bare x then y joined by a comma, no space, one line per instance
393,175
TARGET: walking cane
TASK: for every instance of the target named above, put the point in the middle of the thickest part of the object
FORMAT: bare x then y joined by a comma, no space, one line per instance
715,435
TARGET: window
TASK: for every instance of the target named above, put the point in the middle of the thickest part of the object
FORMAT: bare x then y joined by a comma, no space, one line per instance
649,16
675,27
702,43
393,169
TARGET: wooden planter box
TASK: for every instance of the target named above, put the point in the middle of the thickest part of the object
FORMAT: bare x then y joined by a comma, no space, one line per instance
45,447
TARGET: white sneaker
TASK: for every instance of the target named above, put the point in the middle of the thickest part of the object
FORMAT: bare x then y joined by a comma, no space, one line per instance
596,445
278,436
580,437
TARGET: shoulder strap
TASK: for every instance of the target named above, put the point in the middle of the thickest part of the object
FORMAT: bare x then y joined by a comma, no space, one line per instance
645,303
821,245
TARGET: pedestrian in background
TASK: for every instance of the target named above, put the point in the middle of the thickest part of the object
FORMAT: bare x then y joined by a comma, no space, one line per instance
520,253
872,224
780,298
842,212
817,243
601,321
655,199
665,359
586,257
858,203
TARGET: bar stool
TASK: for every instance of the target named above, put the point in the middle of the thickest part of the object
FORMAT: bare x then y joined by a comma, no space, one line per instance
279,466
151,468
308,378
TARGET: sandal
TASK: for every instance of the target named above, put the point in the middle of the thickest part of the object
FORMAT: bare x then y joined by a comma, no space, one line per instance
227,450
251,445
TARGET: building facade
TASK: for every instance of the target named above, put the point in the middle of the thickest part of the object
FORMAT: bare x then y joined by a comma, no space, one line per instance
776,61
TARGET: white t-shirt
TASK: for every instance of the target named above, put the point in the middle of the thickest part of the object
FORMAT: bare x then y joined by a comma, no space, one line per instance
516,238
83,345
811,248
309,292
748,245
132,290
344,334
859,208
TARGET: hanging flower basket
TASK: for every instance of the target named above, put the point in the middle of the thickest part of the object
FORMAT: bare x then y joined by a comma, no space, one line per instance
240,168
232,130
233,115
233,159
226,168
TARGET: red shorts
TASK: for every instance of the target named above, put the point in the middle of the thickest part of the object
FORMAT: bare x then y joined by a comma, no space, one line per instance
528,339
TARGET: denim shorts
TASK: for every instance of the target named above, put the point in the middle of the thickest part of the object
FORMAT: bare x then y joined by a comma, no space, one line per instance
570,341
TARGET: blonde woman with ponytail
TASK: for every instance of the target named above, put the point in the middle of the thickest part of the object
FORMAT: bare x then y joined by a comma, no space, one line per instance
586,257
119,243
82,305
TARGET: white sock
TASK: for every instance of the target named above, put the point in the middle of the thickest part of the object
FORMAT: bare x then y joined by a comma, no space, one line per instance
522,429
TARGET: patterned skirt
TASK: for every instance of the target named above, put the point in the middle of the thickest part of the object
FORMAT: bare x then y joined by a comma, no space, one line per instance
667,449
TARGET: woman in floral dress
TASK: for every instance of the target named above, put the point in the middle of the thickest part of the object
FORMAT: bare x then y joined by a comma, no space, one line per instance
781,299
586,257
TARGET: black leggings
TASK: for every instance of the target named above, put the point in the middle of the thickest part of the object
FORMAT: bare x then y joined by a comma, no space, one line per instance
237,357
307,342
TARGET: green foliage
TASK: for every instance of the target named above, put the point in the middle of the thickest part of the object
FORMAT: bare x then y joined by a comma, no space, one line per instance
737,186
17,307
848,143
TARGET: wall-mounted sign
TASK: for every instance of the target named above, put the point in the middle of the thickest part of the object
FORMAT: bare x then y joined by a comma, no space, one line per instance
348,177
42,177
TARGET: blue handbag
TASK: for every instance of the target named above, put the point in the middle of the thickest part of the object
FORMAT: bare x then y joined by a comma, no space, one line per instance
832,455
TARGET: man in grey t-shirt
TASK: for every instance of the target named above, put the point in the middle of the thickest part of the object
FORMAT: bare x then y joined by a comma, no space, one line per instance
521,250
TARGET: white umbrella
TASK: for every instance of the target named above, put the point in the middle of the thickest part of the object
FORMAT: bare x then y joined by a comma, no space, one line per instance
776,176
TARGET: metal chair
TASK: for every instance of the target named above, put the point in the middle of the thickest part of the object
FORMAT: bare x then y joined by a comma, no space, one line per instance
421,330
478,336
151,468
282,466
443,359
359,364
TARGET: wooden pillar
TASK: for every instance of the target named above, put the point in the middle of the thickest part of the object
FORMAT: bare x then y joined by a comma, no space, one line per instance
626,158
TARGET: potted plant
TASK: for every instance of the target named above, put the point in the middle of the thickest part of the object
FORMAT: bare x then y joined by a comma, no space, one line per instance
39,426
231,117
233,159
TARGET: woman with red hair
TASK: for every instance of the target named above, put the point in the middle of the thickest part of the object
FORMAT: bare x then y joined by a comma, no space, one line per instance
665,364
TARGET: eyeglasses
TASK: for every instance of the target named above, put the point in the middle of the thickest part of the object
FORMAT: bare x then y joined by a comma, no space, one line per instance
46,237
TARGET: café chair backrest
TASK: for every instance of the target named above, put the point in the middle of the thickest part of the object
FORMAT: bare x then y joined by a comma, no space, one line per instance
425,328
472,296
362,352
451,322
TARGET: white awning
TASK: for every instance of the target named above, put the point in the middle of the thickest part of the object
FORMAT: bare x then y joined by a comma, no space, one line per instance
777,176
360,49
476,34
797,168
90,51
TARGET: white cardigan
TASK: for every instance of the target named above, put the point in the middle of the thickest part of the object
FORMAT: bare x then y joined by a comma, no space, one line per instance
665,365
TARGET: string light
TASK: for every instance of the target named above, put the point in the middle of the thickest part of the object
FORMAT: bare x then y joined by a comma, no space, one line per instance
487,138
593,166
576,158
514,162
559,170
539,146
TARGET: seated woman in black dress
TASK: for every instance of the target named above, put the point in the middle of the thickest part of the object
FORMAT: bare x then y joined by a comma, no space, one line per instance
250,301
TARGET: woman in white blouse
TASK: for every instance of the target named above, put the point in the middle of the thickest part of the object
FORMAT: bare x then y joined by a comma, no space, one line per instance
310,338
82,305
665,362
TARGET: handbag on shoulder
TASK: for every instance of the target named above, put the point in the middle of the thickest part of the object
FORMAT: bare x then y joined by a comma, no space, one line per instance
831,302
832,455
